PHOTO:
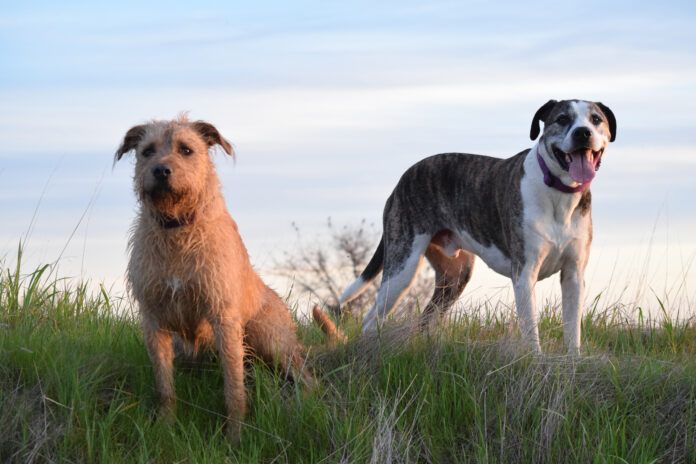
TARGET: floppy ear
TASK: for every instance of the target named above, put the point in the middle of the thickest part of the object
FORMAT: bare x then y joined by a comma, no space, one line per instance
211,136
540,115
611,118
133,137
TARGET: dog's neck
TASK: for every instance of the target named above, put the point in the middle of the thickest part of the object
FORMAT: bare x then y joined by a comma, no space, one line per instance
201,213
557,203
168,222
554,182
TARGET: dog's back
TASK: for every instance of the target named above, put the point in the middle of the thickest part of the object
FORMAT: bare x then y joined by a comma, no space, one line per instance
455,190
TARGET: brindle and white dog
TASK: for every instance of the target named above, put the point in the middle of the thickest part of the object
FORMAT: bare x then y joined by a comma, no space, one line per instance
527,217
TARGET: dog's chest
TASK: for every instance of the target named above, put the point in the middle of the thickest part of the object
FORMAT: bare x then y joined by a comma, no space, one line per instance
179,296
176,275
555,228
555,231
173,284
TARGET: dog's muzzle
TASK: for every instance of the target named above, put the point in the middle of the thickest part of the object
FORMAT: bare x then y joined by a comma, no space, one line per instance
161,186
582,162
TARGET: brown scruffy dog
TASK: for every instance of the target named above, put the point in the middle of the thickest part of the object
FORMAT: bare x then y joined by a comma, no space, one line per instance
190,272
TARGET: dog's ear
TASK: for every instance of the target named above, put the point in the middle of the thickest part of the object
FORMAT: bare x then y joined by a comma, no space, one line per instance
541,115
133,137
212,137
610,117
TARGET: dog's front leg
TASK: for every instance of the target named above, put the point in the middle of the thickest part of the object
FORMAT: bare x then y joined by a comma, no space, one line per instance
229,337
573,290
160,347
524,283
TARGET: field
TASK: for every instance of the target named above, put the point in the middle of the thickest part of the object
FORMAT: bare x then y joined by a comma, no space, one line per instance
76,386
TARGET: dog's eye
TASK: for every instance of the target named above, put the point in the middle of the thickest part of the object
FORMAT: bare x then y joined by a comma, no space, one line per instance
185,150
563,119
596,120
148,151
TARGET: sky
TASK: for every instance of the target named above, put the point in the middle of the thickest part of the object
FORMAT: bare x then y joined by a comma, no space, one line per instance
327,103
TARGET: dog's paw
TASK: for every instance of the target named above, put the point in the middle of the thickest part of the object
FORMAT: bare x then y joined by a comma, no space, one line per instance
574,352
166,412
233,430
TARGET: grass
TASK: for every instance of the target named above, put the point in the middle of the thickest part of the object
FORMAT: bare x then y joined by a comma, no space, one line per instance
76,386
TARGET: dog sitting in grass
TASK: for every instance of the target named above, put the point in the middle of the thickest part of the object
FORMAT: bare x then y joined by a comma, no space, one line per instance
190,272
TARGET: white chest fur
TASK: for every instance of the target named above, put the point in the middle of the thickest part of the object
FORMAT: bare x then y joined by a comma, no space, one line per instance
174,283
554,228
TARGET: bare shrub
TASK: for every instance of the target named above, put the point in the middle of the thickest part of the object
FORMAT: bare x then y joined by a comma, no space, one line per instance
325,264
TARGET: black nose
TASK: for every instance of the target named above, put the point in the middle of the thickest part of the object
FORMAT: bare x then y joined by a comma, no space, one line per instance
161,172
582,134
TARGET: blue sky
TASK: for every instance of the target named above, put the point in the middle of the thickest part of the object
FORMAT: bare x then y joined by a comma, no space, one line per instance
327,103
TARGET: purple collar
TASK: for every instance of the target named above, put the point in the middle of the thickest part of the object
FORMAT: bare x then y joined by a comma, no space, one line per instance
554,182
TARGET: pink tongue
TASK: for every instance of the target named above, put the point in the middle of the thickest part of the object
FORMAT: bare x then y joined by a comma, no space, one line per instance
581,166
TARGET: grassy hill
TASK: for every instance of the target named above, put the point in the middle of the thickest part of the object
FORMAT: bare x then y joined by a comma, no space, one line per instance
76,386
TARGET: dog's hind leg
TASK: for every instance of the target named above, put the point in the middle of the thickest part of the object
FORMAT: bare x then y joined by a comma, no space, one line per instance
400,267
272,337
452,273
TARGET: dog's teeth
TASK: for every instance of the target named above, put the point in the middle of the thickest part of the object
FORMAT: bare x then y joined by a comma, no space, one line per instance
567,158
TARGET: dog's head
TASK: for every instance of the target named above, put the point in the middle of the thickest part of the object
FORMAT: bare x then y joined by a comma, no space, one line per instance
576,133
173,169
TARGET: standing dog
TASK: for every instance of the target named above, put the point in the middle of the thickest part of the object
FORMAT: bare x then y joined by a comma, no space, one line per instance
527,217
189,270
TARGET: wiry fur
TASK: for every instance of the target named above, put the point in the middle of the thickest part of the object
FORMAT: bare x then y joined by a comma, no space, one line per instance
189,269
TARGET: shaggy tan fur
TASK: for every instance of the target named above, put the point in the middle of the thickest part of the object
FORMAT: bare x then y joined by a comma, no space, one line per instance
189,270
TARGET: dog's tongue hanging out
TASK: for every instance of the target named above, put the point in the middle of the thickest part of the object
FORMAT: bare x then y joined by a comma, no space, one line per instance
582,166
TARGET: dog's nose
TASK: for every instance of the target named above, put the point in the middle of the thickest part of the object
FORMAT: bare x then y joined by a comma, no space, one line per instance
582,134
161,172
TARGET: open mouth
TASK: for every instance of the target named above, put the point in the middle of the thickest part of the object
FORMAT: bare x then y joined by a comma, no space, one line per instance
581,164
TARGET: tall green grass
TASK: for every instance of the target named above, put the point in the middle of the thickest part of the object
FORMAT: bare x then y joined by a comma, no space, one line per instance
76,386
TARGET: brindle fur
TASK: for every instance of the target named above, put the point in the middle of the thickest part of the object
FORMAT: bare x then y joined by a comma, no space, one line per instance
449,206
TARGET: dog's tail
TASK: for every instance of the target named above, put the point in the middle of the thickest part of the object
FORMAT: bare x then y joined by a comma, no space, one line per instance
373,268
333,333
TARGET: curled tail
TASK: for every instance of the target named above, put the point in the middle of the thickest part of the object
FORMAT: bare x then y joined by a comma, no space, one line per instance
373,268
333,333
